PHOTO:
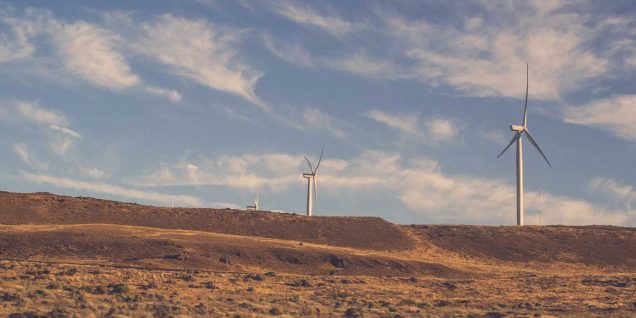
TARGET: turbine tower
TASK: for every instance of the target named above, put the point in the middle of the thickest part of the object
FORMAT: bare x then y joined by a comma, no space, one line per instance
312,190
520,131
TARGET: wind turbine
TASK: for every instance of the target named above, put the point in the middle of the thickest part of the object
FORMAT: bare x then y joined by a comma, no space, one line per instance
256,206
520,131
311,184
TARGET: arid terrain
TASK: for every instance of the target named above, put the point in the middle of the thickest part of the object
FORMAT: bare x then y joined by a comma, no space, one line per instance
62,256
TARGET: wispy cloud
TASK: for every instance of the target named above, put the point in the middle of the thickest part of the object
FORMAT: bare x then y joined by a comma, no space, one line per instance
247,172
312,119
405,123
289,51
418,183
203,52
482,58
483,54
171,94
431,130
616,115
358,63
33,112
22,151
66,131
623,194
112,190
55,124
306,16
89,51
14,39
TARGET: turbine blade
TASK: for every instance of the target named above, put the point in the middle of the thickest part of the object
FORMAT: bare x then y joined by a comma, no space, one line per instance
525,108
512,141
319,160
309,163
534,143
315,196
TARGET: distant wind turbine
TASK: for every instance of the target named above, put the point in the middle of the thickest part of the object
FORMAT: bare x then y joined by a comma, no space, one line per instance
256,205
311,184
520,130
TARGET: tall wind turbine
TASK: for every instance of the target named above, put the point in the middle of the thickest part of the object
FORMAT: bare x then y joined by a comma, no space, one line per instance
520,131
312,190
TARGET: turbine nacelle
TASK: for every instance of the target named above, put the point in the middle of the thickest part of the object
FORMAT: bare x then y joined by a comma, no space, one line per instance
518,128
308,175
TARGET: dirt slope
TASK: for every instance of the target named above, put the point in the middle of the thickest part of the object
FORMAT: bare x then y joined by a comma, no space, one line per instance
603,246
358,232
589,245
178,249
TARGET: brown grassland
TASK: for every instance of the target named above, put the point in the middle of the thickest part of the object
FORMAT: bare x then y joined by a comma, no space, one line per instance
81,257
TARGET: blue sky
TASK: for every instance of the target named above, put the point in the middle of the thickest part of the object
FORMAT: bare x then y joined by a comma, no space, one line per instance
201,103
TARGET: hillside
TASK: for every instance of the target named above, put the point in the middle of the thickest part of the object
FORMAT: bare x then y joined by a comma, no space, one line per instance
62,256
585,245
358,232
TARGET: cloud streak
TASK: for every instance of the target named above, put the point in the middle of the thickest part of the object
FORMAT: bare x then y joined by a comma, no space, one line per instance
202,52
89,52
105,188
309,17
616,115
418,183
482,54
431,130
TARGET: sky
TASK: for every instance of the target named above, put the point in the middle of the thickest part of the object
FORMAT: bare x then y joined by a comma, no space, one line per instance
202,103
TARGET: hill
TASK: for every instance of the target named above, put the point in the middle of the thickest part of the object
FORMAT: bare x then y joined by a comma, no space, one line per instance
357,232
63,256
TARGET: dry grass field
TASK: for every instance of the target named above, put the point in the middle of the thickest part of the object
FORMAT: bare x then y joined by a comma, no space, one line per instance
83,257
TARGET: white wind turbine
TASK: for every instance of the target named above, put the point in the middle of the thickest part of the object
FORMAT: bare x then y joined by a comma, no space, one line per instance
520,130
311,184
256,205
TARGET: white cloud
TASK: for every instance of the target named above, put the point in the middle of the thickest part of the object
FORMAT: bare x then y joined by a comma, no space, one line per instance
171,94
431,130
314,118
623,193
419,184
485,58
86,50
306,16
482,54
440,129
481,200
405,123
112,189
247,172
290,52
92,172
22,151
203,52
14,39
54,124
33,112
358,63
496,137
66,131
89,52
614,114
